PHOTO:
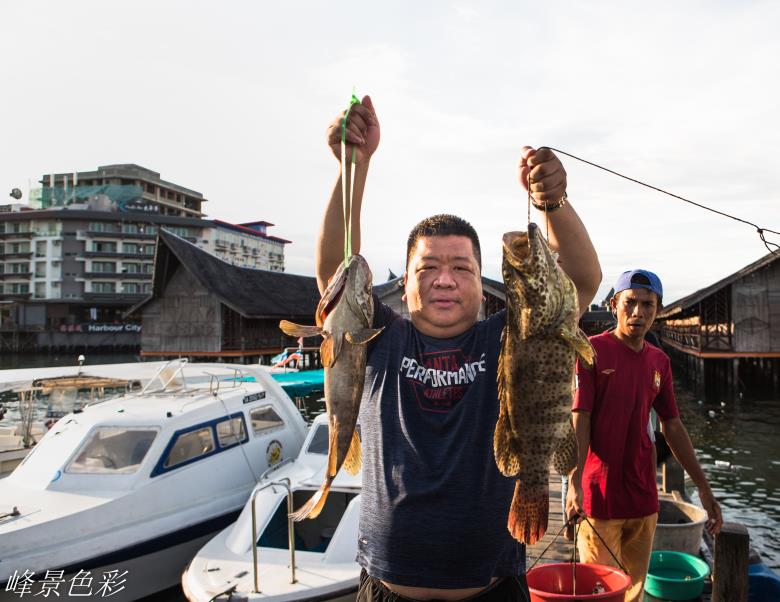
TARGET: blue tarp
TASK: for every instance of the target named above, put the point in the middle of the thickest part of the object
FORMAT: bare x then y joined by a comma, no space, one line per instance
301,384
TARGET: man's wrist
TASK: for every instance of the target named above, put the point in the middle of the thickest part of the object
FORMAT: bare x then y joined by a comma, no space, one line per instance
549,207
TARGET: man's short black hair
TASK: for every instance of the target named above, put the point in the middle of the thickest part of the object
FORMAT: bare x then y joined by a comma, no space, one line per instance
443,225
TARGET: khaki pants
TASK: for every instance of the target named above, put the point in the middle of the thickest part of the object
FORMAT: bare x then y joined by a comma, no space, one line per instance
631,541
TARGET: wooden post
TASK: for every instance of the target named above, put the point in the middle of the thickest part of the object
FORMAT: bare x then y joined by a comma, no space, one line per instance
730,564
673,476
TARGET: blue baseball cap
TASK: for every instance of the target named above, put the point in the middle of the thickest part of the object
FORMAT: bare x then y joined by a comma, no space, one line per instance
640,279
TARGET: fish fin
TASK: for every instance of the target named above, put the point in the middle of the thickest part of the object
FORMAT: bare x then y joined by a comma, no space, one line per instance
299,330
564,457
329,350
527,520
363,336
354,458
504,444
313,507
581,345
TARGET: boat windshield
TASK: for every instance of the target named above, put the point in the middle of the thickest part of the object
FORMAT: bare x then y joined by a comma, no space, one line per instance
319,441
113,450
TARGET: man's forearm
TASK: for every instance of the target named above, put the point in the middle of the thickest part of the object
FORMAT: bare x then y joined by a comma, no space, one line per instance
578,257
581,422
330,241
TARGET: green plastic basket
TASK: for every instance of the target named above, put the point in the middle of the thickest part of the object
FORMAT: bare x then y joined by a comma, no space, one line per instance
675,575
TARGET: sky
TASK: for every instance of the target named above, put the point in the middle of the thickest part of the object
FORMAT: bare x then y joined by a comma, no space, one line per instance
233,99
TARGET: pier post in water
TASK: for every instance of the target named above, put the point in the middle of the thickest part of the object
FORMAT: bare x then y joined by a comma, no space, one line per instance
673,476
730,564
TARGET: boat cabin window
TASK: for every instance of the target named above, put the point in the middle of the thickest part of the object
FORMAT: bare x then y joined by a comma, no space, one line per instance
265,419
190,445
319,441
113,450
231,431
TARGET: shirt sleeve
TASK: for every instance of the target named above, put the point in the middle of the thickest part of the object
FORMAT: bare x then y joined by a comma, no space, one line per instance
665,403
585,391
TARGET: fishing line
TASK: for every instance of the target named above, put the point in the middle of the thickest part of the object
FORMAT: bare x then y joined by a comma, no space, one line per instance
347,199
759,229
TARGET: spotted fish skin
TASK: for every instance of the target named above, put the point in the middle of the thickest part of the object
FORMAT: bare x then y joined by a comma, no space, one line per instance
539,346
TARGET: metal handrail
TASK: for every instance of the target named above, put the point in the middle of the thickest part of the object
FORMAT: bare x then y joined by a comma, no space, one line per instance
276,466
285,482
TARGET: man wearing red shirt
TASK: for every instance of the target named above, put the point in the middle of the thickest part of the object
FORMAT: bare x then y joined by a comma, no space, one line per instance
614,483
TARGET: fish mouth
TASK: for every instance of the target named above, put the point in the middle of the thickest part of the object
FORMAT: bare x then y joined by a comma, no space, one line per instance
518,244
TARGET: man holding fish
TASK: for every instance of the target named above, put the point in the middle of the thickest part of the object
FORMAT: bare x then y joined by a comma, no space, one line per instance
434,504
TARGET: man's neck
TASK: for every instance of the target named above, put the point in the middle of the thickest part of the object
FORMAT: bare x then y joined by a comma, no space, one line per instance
635,344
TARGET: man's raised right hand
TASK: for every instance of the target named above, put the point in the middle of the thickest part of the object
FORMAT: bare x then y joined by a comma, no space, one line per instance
362,131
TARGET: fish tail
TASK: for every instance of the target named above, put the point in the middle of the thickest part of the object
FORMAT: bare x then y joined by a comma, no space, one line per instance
528,513
505,445
313,507
354,457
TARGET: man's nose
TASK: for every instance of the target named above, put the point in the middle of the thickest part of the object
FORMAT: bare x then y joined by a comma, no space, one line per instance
444,279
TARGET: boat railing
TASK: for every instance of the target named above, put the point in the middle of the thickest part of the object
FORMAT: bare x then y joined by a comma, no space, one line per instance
167,374
275,467
285,482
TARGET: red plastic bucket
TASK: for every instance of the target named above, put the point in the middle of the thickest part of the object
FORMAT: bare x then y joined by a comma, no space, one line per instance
553,581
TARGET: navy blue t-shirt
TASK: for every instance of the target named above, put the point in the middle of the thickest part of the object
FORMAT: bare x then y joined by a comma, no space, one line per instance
434,505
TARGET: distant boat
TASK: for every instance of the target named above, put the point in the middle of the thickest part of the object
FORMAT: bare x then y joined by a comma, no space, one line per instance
324,548
138,483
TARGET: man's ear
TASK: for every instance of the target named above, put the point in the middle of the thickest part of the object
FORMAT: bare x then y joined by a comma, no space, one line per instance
405,277
613,305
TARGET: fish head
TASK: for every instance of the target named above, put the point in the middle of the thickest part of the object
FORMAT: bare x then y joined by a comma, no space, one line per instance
352,283
358,283
532,275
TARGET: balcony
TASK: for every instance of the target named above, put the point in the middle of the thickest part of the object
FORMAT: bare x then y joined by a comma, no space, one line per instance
119,275
120,235
118,254
15,296
16,255
15,275
119,296
22,235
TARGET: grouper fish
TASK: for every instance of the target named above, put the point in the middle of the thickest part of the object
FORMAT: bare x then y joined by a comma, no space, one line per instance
539,347
344,317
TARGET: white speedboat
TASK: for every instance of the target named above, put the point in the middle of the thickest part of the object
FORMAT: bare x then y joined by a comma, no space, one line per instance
62,394
125,491
321,550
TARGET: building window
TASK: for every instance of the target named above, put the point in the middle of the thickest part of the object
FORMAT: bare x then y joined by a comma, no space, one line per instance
104,267
40,290
130,228
130,247
131,268
16,288
147,288
40,248
103,247
131,288
40,269
103,287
